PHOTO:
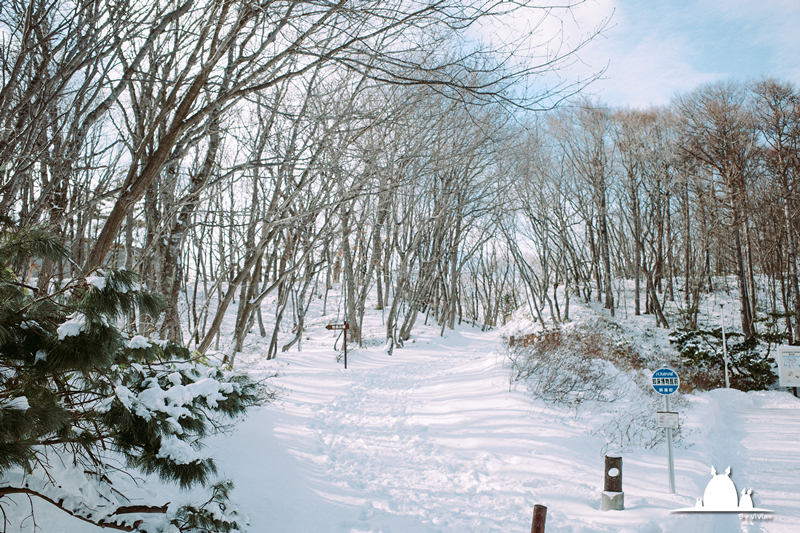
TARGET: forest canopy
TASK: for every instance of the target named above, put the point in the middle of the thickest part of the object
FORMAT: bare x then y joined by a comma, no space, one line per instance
236,151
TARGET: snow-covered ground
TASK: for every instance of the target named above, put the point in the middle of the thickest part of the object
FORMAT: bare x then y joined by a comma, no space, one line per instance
434,439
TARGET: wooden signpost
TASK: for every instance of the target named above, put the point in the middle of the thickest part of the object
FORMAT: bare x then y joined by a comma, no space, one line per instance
344,327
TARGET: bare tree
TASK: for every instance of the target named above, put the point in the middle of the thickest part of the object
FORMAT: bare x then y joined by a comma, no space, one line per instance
777,109
240,49
719,133
585,136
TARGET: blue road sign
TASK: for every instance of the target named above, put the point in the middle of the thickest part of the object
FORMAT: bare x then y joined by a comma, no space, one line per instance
665,381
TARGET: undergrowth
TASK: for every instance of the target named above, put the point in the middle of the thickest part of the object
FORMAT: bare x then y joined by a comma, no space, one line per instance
585,369
751,360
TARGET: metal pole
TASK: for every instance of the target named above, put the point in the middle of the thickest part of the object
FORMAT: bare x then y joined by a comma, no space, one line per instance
669,450
539,517
724,347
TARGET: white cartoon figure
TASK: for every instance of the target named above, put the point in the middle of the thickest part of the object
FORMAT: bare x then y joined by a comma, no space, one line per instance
747,499
721,496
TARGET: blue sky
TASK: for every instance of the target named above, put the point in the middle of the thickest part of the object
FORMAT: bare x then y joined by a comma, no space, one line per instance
655,49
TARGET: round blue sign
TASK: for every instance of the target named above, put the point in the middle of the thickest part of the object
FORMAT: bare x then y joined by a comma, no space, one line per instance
665,381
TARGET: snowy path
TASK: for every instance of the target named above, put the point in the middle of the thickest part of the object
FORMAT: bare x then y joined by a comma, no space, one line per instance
774,458
432,440
436,439
757,435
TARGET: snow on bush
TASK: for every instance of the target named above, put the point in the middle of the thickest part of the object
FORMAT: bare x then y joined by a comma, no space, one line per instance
138,342
174,400
582,367
98,281
75,324
179,451
19,403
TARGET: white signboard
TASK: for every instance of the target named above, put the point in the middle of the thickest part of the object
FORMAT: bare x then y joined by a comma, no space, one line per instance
667,419
789,366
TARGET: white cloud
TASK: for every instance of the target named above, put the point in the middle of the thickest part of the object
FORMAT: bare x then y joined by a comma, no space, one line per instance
655,50
645,67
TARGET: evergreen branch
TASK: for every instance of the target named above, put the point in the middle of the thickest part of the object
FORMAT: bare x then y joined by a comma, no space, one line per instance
4,491
69,380
127,509
25,285
54,442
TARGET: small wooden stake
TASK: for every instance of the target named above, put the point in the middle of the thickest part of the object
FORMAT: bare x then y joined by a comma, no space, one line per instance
539,517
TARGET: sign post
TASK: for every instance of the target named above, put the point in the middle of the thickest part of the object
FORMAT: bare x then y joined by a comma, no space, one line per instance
666,382
789,367
344,327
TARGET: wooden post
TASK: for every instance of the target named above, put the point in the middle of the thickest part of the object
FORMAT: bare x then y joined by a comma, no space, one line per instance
612,481
612,497
539,517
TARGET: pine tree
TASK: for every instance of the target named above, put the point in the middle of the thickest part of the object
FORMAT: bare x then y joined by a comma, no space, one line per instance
76,391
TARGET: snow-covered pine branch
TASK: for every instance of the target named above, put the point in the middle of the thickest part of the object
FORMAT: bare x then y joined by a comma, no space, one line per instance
86,410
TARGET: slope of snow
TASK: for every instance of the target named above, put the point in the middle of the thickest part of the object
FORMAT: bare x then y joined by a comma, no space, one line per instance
434,439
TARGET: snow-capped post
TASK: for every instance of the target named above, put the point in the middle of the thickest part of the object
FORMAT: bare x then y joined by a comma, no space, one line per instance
612,497
539,517
344,327
666,382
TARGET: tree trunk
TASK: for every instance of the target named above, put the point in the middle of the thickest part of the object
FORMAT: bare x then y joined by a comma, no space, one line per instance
606,255
637,245
349,278
741,280
793,282
661,320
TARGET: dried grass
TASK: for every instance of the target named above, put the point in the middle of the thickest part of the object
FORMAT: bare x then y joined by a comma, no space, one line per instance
585,369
